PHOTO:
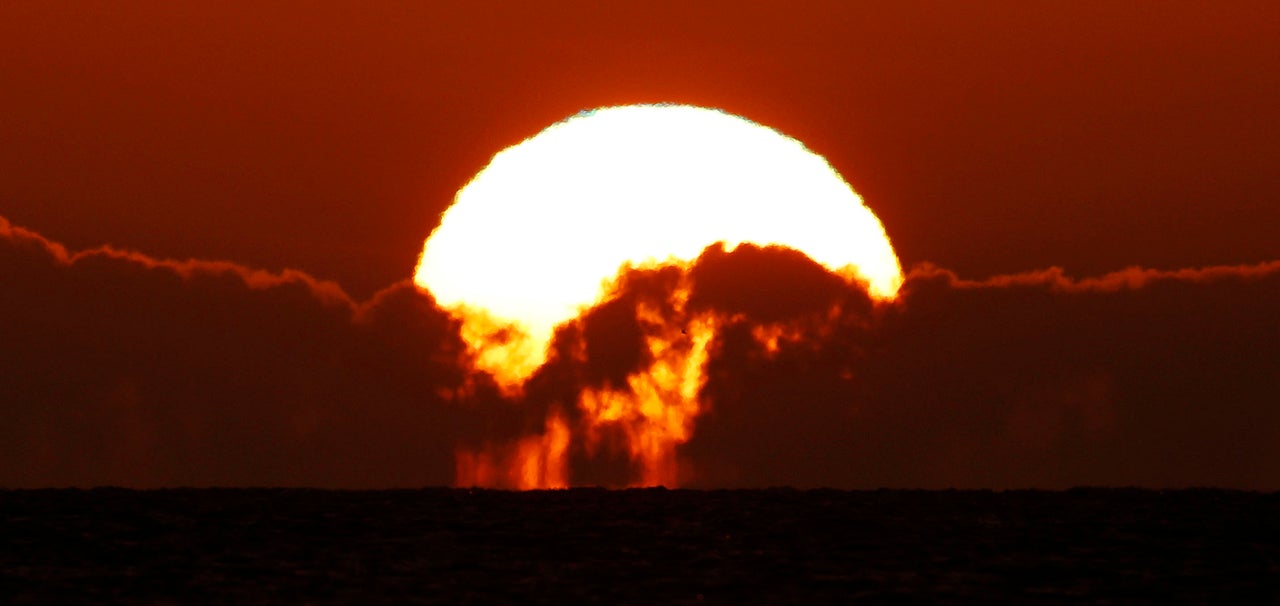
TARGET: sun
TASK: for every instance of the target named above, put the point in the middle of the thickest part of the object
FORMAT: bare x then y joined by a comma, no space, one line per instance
540,232
540,235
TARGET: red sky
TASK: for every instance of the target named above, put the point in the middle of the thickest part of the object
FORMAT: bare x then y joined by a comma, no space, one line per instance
991,140
995,138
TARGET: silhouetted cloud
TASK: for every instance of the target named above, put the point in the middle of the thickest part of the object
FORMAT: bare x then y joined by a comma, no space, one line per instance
1138,377
117,368
122,369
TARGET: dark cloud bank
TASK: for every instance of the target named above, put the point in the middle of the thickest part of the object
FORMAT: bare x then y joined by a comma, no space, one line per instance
116,368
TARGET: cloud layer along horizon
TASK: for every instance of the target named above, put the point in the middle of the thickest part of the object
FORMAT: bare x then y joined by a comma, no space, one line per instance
121,369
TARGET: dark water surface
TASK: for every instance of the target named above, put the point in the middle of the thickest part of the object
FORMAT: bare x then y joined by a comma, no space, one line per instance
645,546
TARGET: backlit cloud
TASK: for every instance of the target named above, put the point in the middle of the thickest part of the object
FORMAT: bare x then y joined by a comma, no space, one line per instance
118,368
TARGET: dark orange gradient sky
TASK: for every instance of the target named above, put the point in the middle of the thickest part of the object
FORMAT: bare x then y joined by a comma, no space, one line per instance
210,213
990,138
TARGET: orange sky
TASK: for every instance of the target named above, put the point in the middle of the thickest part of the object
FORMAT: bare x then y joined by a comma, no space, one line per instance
1004,137
292,159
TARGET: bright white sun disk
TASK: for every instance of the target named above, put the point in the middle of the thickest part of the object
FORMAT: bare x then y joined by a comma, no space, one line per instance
532,239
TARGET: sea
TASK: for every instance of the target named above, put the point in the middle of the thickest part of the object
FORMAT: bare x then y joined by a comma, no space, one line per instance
637,546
